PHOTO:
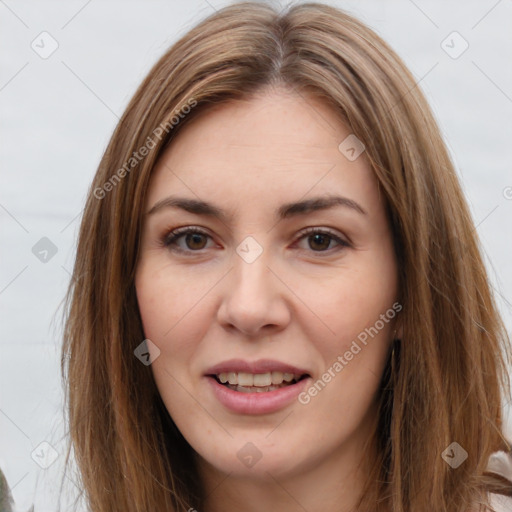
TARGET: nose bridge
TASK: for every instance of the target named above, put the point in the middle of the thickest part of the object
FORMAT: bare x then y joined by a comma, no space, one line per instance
251,273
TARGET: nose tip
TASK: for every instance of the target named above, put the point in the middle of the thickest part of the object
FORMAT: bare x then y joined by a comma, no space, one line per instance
253,299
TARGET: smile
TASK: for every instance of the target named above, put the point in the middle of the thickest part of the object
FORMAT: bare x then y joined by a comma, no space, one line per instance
256,387
257,383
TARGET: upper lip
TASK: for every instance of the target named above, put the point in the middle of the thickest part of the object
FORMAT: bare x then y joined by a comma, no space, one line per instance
260,366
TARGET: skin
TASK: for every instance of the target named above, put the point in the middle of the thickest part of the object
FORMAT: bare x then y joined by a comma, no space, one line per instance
295,303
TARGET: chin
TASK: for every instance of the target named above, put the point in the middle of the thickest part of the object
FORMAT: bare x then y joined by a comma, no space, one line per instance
256,460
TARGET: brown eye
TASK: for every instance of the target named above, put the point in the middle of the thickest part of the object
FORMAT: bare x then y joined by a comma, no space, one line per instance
195,241
319,241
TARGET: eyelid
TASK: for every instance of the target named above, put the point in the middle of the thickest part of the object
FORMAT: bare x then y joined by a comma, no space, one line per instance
324,230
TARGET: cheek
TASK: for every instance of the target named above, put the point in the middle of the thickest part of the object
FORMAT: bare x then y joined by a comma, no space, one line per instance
160,298
174,319
173,309
357,308
350,302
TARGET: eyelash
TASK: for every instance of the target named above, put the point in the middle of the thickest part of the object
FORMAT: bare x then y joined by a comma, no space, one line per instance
170,239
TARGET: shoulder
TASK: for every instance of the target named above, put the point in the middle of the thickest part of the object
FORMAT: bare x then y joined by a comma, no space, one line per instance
500,503
500,463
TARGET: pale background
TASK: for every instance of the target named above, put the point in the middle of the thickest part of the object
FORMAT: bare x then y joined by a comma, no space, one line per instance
57,116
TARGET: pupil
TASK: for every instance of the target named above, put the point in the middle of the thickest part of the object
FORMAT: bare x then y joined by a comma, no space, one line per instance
195,238
319,238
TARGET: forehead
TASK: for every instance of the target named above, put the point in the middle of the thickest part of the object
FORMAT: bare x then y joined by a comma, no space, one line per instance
274,147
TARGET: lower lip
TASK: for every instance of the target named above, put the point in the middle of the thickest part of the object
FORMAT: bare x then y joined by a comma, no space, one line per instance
256,403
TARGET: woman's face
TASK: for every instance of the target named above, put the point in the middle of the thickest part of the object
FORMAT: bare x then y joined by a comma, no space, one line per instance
280,280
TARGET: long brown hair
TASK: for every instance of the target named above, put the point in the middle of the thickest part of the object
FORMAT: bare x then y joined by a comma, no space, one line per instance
448,375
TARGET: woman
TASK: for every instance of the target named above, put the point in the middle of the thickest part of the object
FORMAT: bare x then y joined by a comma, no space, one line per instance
278,298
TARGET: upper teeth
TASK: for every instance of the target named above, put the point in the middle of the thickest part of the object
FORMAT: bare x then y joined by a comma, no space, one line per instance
258,379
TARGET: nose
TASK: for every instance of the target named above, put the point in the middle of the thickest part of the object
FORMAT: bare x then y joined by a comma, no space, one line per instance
254,299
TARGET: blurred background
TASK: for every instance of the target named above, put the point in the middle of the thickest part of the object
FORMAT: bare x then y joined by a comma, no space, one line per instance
67,71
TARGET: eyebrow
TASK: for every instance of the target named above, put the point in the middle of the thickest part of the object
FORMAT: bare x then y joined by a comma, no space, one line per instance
285,211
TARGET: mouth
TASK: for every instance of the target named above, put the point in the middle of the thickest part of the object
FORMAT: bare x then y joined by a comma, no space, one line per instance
264,386
244,382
